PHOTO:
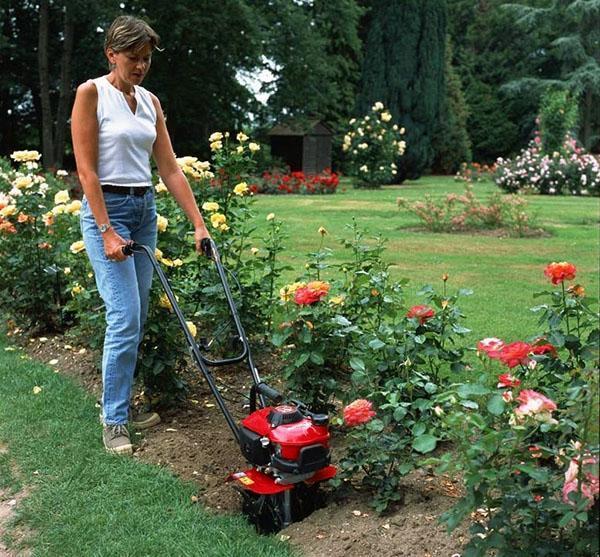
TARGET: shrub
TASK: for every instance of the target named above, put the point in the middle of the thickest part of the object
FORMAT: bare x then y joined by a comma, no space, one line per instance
462,213
372,145
569,171
276,182
353,339
558,118
527,442
37,219
474,172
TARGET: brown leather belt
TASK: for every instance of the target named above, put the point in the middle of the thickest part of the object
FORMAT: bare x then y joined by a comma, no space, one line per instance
125,190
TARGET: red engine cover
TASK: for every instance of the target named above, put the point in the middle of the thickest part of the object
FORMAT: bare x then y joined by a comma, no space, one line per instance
290,437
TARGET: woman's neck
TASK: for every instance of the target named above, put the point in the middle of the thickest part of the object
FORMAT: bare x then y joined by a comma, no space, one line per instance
124,86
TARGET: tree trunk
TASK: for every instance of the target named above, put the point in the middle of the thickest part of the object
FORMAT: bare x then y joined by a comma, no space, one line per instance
64,101
47,141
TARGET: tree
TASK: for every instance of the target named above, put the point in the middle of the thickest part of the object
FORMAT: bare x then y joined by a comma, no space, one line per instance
490,51
567,49
403,67
451,142
337,22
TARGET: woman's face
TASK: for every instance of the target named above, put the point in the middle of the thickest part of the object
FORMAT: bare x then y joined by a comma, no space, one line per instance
131,65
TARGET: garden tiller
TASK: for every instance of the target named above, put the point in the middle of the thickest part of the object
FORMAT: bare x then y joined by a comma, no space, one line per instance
286,444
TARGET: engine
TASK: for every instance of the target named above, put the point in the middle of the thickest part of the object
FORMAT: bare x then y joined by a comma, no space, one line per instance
286,441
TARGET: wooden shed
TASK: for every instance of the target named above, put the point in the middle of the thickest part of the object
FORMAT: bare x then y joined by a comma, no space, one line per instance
304,146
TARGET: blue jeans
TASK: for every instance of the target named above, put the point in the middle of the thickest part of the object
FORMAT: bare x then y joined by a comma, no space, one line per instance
125,289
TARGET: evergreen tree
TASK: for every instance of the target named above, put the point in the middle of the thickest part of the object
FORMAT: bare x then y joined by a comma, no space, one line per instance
337,22
403,67
490,51
451,142
566,53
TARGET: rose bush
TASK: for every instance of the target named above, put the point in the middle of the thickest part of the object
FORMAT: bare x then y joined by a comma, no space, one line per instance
463,213
527,442
278,182
37,221
372,146
569,171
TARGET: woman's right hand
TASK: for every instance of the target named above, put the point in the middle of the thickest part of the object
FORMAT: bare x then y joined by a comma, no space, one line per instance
113,245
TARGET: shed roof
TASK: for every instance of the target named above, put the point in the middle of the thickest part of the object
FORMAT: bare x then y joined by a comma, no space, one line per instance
307,127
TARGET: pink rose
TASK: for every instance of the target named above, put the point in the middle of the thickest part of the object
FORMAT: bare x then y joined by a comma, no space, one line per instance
537,405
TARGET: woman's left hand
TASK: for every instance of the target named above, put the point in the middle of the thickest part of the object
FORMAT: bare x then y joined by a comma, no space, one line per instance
200,233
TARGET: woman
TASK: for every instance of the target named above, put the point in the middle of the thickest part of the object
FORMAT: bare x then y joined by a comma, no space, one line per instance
116,126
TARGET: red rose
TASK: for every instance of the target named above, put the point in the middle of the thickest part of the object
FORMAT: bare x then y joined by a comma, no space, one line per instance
558,272
358,412
311,293
544,349
514,354
422,313
506,380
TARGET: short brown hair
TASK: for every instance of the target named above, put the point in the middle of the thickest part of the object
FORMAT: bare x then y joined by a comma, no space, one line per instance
130,33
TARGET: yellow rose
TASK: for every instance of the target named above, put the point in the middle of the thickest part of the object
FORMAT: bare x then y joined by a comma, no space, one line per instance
161,223
23,182
270,216
8,211
177,262
239,149
160,187
58,209
67,270
62,173
253,147
61,197
210,206
164,302
223,228
215,136
336,300
386,116
186,161
158,254
241,137
166,262
24,156
192,328
77,247
217,220
241,188
216,145
77,289
287,292
74,207
377,106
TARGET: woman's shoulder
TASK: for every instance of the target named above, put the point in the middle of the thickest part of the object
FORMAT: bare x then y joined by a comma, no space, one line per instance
89,88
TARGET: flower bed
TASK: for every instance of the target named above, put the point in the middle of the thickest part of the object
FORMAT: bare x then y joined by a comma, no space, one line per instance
276,182
570,171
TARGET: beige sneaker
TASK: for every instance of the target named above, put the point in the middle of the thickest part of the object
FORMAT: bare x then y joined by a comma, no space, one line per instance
144,420
116,439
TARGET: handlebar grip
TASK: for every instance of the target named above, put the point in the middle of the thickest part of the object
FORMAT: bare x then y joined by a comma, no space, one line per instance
206,247
269,392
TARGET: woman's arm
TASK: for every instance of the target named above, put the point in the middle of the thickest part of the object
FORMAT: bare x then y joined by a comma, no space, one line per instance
174,178
84,132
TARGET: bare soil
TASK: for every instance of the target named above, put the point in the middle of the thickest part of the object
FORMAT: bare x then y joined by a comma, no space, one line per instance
193,440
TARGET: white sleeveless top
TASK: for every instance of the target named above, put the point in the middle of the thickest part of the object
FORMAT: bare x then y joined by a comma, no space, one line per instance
125,139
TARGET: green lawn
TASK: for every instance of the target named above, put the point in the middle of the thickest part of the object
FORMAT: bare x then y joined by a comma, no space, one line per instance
503,272
82,501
